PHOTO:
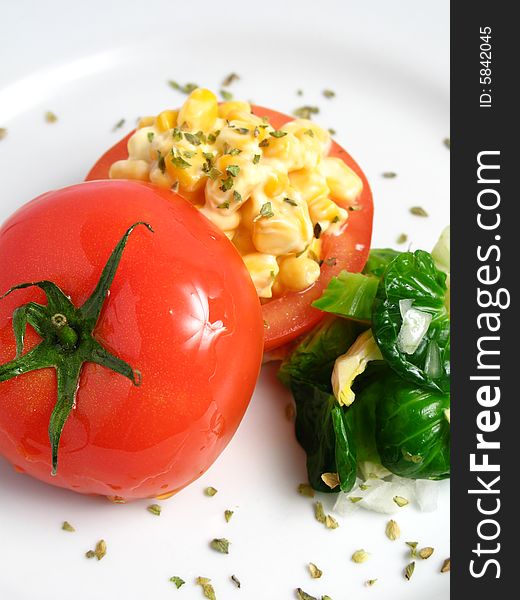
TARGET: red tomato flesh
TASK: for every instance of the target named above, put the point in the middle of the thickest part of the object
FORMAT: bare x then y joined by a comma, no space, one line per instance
182,310
291,315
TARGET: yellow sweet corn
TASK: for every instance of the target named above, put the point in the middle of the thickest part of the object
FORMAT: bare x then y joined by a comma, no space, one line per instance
167,119
310,183
233,110
344,184
199,111
130,169
298,273
146,122
263,269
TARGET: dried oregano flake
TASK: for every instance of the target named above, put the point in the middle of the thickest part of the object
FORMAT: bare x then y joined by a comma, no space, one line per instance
426,552
304,489
3,133
155,509
389,175
301,595
50,117
210,491
370,582
360,556
220,545
400,501
207,588
67,526
314,571
446,565
330,522
402,238
235,580
319,513
392,530
413,548
227,515
408,571
177,581
418,211
330,479
99,551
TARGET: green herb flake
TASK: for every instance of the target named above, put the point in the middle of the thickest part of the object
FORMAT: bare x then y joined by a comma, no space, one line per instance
227,515
317,231
3,133
418,211
370,582
99,552
264,143
330,522
179,162
176,134
319,513
220,545
235,580
177,581
67,526
446,566
447,143
364,487
214,173
400,501
408,571
237,196
301,595
175,186
314,571
332,131
227,184
304,489
290,201
227,96
426,552
256,159
50,117
299,92
389,175
355,499
193,139
309,132
212,137
207,588
306,112
224,204
329,94
413,548
360,556
150,135
392,530
187,88
234,152
233,170
242,130
266,211
401,238
278,133
331,262
230,79
210,491
160,162
155,509
189,153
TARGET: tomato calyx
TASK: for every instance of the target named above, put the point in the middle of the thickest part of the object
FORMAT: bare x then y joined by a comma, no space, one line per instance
67,340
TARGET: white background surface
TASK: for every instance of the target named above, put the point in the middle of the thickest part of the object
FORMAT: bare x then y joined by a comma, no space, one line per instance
97,62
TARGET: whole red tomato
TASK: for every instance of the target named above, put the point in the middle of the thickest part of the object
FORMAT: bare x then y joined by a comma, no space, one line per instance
181,310
291,314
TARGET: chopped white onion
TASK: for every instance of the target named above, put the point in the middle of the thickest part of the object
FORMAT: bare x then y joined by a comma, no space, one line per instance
404,306
413,328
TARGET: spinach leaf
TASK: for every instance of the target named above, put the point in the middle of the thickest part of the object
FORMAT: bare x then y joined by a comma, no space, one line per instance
323,433
378,260
412,429
349,295
313,359
414,276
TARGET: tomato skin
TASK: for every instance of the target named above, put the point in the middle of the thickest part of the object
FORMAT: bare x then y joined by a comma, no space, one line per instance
292,315
182,310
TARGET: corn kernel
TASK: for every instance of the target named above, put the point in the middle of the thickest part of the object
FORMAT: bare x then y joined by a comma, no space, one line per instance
199,111
139,144
263,269
309,183
325,211
287,150
130,169
191,177
344,184
298,273
243,242
146,122
280,235
167,119
223,218
233,109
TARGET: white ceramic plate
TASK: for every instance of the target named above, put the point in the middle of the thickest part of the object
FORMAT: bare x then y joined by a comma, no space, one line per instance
98,62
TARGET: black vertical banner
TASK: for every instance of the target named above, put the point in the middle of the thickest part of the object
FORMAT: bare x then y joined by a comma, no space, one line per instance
485,202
